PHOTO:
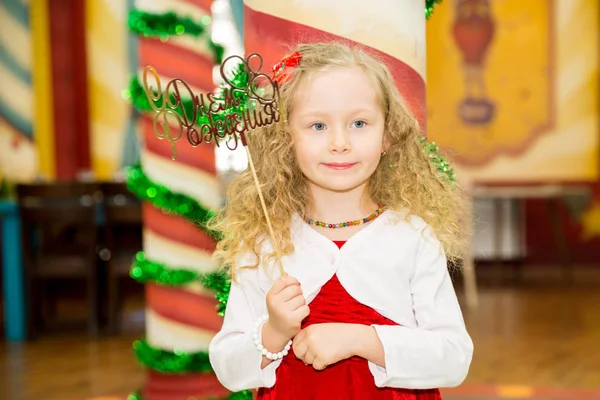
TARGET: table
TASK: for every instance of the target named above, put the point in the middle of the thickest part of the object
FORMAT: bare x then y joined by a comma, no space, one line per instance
12,272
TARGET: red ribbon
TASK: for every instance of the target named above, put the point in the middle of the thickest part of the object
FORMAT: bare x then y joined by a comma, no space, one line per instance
282,71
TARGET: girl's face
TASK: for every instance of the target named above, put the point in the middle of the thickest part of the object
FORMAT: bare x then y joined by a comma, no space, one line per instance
338,128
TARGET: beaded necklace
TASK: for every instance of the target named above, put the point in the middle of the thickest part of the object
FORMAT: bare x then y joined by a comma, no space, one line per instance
370,218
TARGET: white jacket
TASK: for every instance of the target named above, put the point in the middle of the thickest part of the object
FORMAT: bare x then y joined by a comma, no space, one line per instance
396,267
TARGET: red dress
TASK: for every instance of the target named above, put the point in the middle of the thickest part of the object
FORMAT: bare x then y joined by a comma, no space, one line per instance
349,379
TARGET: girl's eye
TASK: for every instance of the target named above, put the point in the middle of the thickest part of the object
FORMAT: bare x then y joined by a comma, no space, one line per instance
318,126
359,124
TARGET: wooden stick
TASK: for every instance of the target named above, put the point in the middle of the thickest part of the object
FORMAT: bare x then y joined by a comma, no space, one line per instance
264,207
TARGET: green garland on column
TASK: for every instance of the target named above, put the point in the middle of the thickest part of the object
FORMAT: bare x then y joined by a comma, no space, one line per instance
244,395
166,200
163,26
429,5
171,362
176,362
144,270
436,158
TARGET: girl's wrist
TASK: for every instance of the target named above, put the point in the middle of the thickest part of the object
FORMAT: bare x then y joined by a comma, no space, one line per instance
363,339
272,339
366,344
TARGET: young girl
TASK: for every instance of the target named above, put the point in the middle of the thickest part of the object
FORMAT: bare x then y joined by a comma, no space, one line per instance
365,308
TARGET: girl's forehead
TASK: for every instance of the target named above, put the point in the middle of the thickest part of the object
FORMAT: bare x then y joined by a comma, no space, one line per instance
337,89
337,73
348,81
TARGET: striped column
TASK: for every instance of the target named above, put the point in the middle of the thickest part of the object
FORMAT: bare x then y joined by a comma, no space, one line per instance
179,319
18,157
392,30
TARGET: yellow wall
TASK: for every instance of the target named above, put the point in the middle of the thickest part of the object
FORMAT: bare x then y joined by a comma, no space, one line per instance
108,75
530,70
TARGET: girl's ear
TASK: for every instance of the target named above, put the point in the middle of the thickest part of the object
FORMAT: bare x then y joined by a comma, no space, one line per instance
386,142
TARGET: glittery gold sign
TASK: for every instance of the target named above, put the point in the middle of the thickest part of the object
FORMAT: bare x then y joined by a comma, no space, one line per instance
247,99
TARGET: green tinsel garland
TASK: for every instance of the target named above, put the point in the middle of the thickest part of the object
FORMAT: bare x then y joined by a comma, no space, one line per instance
436,158
163,26
144,270
171,362
429,5
169,202
135,93
177,362
222,296
243,395
140,101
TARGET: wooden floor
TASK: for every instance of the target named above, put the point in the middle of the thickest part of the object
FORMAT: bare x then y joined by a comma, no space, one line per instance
543,335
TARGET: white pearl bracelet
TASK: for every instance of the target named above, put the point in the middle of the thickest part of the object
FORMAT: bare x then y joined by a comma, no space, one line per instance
258,341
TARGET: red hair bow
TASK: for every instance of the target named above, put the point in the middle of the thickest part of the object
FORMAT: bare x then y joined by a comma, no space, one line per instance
282,70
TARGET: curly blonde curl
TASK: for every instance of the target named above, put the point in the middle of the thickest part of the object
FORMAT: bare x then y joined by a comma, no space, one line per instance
405,179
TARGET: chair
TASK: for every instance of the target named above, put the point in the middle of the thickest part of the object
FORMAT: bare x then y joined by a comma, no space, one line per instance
123,239
59,235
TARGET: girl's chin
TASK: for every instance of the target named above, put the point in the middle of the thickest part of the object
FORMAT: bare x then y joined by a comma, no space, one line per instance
339,187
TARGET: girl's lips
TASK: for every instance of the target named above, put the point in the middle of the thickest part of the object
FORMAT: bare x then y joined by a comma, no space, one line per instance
340,166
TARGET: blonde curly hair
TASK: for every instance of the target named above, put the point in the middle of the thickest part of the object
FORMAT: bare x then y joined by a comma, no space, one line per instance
405,179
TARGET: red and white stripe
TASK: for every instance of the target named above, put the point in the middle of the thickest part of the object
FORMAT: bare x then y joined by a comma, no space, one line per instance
392,30
182,318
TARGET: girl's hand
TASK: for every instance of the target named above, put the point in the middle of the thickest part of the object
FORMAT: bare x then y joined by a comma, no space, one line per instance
286,306
321,345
